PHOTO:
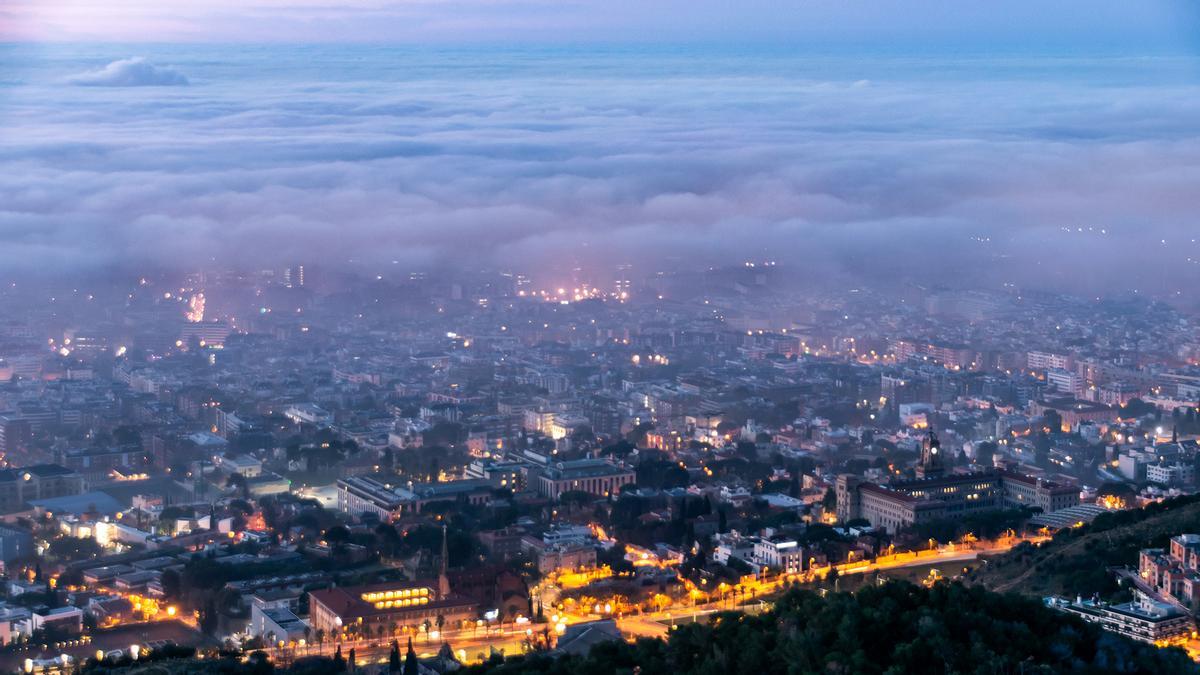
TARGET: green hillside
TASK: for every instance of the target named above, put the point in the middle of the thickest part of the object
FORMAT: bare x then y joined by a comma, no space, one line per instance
1076,561
894,629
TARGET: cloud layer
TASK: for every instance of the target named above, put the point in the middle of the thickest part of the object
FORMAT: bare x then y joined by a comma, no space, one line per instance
1070,172
134,72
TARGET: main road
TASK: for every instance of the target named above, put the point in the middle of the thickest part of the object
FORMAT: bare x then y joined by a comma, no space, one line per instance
657,624
472,644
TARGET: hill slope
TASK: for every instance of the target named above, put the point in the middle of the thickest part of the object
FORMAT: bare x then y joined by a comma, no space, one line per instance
894,629
1075,562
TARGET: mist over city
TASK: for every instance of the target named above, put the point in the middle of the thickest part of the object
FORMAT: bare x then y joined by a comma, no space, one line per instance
514,336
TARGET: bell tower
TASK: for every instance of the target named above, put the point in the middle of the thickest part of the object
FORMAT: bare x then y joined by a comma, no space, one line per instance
933,462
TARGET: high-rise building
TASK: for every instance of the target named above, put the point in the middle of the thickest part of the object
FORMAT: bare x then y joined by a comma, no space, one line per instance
293,277
623,282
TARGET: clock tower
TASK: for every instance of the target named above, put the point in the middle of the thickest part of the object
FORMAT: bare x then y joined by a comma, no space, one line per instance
933,461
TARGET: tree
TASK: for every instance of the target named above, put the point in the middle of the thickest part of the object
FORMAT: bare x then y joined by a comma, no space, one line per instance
338,534
394,658
387,540
571,499
208,617
893,628
237,480
339,661
1136,407
260,663
411,666
985,452
829,501
620,450
1052,420
73,548
171,583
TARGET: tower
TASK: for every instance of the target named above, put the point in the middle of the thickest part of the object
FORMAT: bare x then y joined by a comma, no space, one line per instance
933,463
443,577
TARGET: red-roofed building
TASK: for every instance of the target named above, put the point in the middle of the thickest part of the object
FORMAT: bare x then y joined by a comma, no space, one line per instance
399,604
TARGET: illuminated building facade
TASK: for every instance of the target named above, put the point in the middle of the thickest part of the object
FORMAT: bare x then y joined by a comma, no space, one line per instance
386,607
206,333
593,476
293,277
404,604
781,554
936,495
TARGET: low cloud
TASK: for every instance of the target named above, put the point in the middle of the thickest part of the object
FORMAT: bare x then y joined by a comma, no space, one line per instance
135,72
994,171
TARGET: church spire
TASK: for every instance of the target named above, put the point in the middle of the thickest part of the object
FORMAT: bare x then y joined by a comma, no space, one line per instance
443,577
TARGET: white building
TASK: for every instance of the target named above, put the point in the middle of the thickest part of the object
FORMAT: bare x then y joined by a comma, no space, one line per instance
275,624
1066,381
67,619
1171,475
782,501
779,554
731,546
244,465
14,621
1143,619
1038,360
308,413
567,535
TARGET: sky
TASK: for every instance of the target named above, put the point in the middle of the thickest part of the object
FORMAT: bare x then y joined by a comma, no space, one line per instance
1043,143
1022,23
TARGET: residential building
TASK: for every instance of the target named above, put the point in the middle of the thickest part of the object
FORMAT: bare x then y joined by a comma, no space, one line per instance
780,554
1143,619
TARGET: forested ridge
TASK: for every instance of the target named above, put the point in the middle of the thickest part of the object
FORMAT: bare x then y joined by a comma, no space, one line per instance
893,629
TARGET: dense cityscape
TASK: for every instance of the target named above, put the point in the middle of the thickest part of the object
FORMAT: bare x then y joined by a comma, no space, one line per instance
599,337
300,466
